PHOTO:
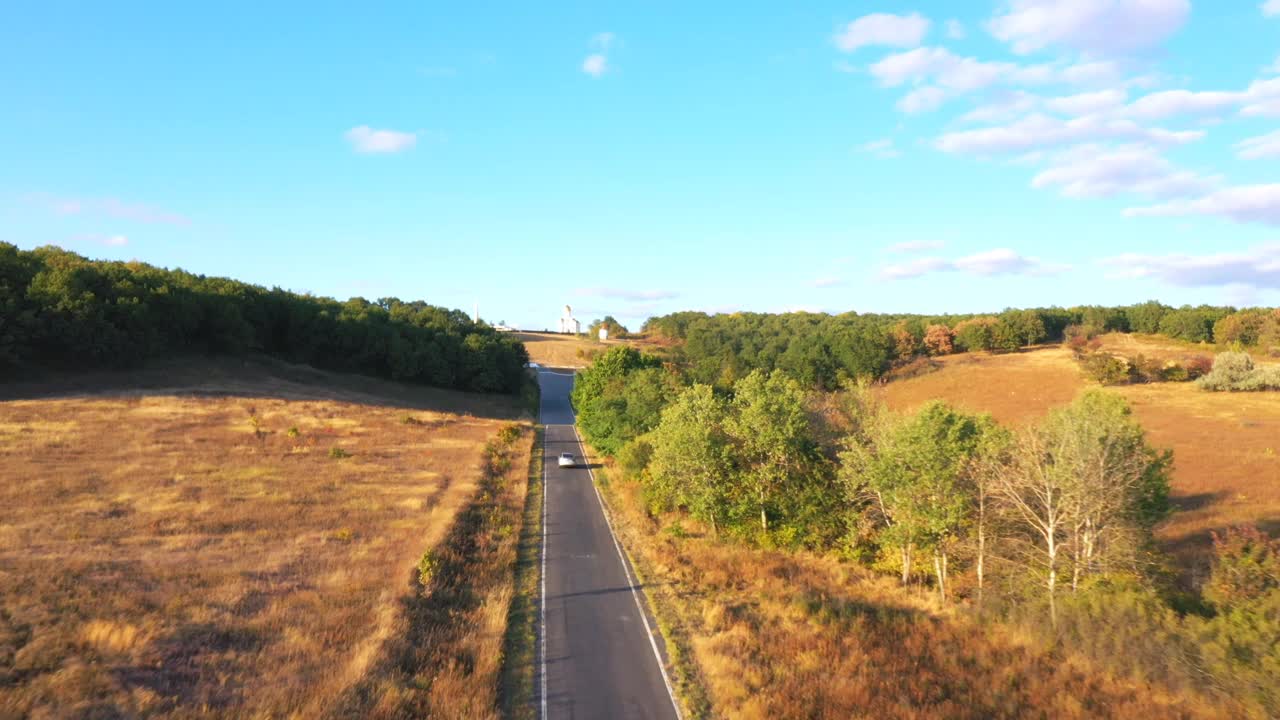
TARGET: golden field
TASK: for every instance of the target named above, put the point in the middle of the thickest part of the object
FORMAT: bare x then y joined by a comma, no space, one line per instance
226,539
1226,446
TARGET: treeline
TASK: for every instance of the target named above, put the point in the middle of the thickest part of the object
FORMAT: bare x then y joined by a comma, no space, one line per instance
61,310
822,351
1050,527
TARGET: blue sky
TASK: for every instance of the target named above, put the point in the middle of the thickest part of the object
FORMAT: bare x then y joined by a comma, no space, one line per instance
872,156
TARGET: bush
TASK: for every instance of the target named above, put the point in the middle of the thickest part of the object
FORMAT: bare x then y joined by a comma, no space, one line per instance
338,453
1106,369
1198,366
1235,372
1246,567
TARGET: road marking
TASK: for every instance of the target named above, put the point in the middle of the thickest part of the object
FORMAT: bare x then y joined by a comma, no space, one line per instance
653,642
543,604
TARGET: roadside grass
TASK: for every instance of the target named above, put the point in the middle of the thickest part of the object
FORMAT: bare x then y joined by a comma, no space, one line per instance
517,695
195,551
1226,446
772,634
445,656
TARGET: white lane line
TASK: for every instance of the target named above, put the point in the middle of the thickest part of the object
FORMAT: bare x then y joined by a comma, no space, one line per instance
543,604
635,595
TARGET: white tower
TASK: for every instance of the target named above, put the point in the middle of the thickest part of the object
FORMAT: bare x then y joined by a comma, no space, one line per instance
569,324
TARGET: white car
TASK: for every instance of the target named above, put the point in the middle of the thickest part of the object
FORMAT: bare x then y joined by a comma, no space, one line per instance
567,460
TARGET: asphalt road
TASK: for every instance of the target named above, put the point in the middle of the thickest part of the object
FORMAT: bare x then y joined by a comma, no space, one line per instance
599,654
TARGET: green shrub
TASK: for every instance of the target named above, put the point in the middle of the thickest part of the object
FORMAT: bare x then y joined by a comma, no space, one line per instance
1106,369
428,564
1235,372
1246,567
338,453
509,433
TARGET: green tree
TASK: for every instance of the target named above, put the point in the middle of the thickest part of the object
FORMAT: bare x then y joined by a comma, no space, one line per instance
690,460
772,439
918,471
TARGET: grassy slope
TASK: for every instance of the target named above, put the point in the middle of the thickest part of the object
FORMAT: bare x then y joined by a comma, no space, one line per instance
1225,444
169,546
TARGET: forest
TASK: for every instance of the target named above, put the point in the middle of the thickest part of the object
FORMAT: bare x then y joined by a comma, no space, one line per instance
1048,528
823,351
59,310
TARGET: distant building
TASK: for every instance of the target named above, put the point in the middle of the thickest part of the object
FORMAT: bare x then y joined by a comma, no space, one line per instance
568,323
603,333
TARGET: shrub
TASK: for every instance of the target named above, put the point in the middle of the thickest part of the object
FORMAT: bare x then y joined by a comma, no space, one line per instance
508,434
428,564
1198,366
1246,567
1106,369
1235,372
338,453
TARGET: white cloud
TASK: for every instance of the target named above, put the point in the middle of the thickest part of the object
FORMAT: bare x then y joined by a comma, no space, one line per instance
1094,171
1091,73
109,206
1005,106
1001,261
365,139
1258,267
1088,103
1181,102
595,65
915,268
1262,99
955,30
1040,131
1242,203
954,72
883,29
882,148
625,294
1270,8
1262,146
1097,27
922,100
915,246
108,240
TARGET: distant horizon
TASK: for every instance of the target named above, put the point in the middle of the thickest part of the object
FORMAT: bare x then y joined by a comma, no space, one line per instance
831,157
586,321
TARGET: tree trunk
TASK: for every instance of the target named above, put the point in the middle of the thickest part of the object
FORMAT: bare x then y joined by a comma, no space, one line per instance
764,519
1053,582
982,554
941,573
906,564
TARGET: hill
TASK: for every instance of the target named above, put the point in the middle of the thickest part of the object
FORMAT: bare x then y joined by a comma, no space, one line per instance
1226,469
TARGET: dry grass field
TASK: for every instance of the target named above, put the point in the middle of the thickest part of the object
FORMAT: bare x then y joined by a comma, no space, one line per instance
1226,445
555,350
235,540
775,634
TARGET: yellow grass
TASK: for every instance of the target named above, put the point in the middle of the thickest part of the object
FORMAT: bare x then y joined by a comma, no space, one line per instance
555,350
1226,445
202,554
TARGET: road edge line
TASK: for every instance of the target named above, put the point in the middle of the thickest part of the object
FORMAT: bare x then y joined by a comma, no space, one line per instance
626,568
